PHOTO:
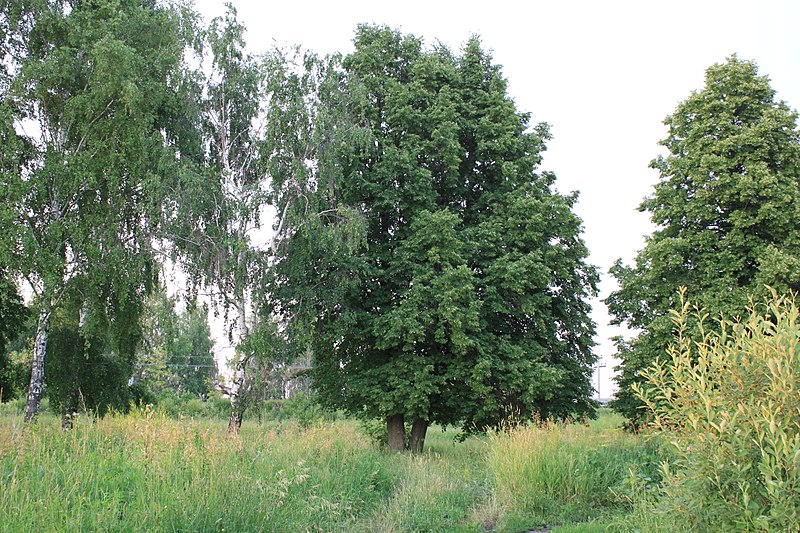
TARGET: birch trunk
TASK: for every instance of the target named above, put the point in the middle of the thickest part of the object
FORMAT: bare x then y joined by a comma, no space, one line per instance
237,402
36,387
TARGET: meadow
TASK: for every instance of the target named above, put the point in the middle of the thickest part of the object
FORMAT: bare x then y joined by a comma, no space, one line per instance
146,471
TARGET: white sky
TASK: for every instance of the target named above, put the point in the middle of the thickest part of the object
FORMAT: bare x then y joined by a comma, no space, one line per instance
603,74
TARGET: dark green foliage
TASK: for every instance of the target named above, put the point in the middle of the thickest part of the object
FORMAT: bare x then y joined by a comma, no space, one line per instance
84,374
89,363
726,208
454,290
13,315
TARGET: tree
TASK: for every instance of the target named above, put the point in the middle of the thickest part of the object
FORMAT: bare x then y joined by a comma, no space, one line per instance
438,278
726,208
159,323
220,203
94,76
176,352
191,357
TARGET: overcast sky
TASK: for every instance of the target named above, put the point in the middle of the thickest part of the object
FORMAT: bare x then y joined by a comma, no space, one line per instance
603,74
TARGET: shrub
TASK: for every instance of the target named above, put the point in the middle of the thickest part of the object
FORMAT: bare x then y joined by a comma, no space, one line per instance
305,411
189,406
730,399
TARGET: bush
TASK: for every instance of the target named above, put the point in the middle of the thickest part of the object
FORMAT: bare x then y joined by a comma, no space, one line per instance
301,409
305,411
189,406
731,400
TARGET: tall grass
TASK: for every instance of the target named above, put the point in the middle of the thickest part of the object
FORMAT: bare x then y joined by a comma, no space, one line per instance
557,473
146,472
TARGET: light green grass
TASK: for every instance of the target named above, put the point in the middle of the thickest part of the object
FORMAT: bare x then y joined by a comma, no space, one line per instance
143,471
566,474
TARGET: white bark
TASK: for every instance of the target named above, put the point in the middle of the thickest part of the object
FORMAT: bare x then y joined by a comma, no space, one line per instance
37,368
273,243
239,372
36,386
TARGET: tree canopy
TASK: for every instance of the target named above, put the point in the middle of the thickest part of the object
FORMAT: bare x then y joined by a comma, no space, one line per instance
726,209
80,206
460,296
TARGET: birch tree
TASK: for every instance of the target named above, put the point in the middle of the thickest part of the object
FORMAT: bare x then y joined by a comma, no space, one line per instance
91,87
220,204
269,123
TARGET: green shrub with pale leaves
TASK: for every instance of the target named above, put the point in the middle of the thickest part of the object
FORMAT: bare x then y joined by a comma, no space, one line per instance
729,394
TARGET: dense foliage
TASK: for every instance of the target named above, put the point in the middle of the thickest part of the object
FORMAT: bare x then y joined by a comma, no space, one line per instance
81,207
726,209
463,300
14,151
13,315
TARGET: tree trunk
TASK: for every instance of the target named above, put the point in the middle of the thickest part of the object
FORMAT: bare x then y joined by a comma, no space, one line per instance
237,415
36,387
70,411
237,400
396,432
418,430
237,386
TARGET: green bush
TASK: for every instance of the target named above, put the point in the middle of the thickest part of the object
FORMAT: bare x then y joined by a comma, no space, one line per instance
731,399
304,410
189,406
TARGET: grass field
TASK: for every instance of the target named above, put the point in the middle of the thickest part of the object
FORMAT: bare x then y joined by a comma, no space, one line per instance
146,472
